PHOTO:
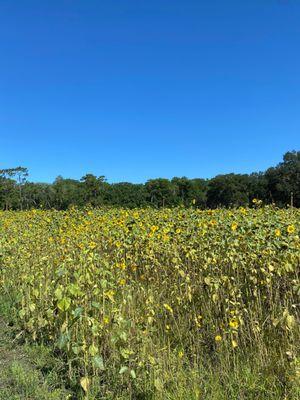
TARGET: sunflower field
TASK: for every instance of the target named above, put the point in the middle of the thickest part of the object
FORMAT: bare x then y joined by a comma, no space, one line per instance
160,304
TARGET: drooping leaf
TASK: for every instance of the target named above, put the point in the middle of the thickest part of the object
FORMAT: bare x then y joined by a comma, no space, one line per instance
85,383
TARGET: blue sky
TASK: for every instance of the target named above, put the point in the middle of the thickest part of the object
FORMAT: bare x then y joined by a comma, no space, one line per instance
135,89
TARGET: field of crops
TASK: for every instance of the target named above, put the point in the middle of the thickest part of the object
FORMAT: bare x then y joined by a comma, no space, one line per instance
160,304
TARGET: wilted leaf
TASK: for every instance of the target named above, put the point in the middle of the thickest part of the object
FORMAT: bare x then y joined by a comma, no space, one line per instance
85,383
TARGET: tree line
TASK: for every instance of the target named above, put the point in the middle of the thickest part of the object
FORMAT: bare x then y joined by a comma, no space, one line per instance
279,185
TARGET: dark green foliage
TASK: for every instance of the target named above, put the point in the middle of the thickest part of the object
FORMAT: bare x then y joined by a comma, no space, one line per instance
279,185
66,192
93,189
11,185
161,192
257,187
228,190
38,195
199,192
183,190
283,181
127,195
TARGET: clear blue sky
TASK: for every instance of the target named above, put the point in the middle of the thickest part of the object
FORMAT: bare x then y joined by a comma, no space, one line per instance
135,89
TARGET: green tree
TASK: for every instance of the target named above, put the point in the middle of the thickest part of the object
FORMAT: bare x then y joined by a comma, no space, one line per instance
199,192
228,191
94,189
127,194
67,192
13,180
8,193
183,190
283,181
160,192
39,195
257,187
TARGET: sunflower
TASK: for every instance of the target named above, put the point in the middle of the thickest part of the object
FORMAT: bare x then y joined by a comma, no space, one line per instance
291,229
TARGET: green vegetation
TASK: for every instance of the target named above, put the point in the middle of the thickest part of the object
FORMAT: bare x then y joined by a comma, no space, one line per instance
155,304
279,185
27,372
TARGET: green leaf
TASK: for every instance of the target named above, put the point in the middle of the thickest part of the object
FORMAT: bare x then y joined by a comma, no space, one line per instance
63,340
58,293
207,280
64,304
123,370
132,373
103,283
93,350
77,312
74,290
123,336
98,363
76,349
